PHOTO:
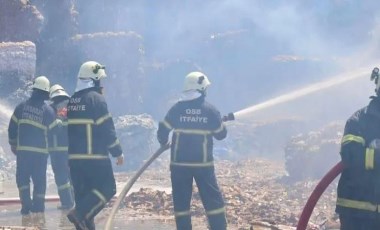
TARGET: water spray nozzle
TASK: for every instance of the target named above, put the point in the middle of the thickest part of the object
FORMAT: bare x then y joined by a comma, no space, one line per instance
375,75
228,117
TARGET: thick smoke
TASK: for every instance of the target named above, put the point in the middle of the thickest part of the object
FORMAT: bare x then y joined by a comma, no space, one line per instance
251,50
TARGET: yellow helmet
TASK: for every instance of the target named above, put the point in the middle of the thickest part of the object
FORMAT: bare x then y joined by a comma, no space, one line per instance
91,70
57,90
196,81
41,83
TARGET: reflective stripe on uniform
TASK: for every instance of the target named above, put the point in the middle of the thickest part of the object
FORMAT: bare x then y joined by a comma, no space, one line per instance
89,138
64,186
87,156
350,137
204,148
98,206
369,158
215,211
33,123
80,121
32,149
100,195
205,164
101,203
204,133
117,142
176,147
220,129
59,149
55,141
103,119
25,187
55,123
193,131
167,124
14,118
347,203
183,213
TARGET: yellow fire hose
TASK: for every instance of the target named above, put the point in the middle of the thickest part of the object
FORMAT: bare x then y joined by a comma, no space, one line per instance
130,183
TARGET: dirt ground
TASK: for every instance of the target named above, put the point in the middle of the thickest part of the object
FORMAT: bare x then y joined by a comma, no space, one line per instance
257,192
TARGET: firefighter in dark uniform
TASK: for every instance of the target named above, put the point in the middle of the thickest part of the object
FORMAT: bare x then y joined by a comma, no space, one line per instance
29,132
58,149
92,138
195,123
358,199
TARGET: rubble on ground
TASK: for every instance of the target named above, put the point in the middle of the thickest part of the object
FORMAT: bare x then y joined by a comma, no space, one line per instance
255,192
312,154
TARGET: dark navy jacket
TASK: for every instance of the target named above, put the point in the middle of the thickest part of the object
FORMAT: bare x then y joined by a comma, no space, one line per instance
194,123
359,184
31,126
60,139
91,130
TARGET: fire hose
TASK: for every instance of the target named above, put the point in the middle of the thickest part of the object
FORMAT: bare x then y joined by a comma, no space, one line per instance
316,194
130,183
16,200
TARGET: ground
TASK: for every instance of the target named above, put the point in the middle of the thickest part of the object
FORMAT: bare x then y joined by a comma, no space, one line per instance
257,193
255,190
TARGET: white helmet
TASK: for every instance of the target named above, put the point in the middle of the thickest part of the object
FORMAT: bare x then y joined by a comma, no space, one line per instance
91,70
41,83
57,90
196,81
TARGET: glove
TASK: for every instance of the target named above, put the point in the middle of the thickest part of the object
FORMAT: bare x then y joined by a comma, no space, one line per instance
120,160
13,149
375,144
59,123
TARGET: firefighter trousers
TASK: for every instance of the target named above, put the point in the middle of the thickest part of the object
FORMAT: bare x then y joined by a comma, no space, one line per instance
31,165
60,166
94,185
357,223
182,186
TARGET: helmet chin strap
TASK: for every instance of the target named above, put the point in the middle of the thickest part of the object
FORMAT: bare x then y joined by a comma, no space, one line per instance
203,92
98,86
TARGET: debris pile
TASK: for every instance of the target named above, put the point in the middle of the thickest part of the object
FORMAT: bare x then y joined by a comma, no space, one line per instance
137,137
255,192
312,154
17,66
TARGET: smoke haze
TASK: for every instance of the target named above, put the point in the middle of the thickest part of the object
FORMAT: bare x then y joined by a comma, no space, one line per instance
252,51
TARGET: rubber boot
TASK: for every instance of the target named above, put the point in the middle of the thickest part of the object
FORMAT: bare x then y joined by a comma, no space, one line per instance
76,220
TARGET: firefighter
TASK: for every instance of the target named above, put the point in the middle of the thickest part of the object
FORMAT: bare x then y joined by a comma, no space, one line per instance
58,150
195,123
92,138
358,198
29,130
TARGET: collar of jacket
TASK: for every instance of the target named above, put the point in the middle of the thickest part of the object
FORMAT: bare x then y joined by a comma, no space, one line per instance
86,90
373,107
